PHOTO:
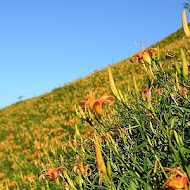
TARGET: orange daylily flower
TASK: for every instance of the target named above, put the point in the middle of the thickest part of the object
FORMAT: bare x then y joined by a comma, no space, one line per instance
52,173
88,102
97,103
2,175
10,137
184,92
143,56
177,180
82,169
13,184
152,51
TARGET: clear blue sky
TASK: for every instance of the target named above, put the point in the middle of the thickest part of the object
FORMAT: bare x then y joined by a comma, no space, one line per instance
46,43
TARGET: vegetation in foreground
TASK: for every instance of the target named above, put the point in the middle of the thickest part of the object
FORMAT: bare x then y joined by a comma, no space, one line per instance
136,139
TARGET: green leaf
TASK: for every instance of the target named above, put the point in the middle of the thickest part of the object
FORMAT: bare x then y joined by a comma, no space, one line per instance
132,185
136,148
181,108
185,150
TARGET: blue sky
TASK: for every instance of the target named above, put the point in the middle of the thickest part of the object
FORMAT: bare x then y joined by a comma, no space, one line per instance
46,43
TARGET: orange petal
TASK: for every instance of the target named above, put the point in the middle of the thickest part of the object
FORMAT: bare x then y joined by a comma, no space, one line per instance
97,107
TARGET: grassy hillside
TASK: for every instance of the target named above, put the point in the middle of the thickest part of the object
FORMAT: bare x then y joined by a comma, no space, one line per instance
33,132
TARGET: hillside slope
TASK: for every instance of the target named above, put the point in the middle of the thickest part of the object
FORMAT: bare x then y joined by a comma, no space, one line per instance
31,129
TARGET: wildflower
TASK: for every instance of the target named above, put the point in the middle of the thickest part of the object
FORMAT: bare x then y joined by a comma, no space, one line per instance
2,175
104,137
185,25
184,64
10,137
184,92
38,145
82,169
52,173
143,56
88,102
152,51
97,104
36,154
177,180
13,184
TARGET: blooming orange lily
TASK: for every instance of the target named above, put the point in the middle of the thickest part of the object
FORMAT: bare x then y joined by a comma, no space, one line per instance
82,169
152,51
52,173
178,179
142,56
97,103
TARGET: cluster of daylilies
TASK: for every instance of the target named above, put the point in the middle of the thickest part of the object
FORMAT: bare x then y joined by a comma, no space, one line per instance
94,109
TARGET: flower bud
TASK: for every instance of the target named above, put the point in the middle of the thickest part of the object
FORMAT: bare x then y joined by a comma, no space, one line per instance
185,24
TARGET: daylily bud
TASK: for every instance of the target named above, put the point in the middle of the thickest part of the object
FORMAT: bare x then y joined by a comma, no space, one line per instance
178,70
136,88
184,92
185,25
177,138
149,141
156,166
109,168
185,65
112,84
69,180
177,83
158,53
99,158
146,58
77,133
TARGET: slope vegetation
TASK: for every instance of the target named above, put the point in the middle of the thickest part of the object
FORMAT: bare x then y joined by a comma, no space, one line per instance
33,131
